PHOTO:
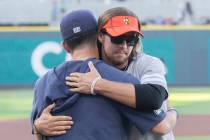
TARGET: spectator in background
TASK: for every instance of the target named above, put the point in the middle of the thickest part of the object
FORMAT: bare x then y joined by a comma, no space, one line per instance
58,11
186,13
54,12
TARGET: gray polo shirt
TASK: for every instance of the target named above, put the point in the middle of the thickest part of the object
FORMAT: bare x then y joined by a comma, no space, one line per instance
149,69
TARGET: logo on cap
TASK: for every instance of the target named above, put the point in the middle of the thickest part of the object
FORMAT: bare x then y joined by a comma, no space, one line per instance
126,21
76,29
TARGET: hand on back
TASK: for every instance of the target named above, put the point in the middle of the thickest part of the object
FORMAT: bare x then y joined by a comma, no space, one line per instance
49,125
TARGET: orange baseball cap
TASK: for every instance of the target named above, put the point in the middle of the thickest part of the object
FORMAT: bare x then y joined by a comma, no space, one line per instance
119,25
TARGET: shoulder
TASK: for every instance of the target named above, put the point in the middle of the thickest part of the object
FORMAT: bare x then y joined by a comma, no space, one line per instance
50,76
148,60
43,78
41,83
110,73
148,63
152,70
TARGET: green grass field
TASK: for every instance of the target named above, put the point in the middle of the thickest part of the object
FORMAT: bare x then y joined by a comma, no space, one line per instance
16,104
190,101
193,138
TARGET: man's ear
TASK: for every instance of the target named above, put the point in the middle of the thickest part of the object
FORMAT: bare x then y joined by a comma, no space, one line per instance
100,37
138,46
66,47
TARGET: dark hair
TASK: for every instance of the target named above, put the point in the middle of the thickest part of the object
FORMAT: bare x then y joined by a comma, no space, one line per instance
108,14
85,38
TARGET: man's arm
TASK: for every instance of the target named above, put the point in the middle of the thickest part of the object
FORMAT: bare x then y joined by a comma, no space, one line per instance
120,92
158,121
36,133
44,123
38,136
49,125
139,96
167,124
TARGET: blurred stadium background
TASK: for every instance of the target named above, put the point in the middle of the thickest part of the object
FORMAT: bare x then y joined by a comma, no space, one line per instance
176,31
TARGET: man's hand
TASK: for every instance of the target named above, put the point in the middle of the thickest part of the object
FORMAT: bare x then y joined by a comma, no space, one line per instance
49,125
81,82
168,123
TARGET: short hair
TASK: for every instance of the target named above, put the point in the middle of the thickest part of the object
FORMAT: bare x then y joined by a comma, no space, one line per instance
89,38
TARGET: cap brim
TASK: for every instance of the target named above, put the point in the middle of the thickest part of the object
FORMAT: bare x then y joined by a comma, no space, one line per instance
117,31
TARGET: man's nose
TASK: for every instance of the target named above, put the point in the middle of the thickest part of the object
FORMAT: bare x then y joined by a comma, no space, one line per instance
123,45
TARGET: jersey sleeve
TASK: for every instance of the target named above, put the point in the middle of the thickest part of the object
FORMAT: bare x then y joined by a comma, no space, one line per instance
143,121
154,73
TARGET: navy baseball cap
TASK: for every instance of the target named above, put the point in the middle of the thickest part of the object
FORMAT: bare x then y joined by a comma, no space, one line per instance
78,23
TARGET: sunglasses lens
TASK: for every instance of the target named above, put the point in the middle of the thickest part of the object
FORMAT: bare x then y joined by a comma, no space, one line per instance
132,40
117,40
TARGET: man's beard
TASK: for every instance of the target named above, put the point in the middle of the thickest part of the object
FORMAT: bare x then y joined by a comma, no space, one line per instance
114,61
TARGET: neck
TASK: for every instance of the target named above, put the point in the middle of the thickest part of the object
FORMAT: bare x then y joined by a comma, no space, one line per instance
120,66
84,52
109,61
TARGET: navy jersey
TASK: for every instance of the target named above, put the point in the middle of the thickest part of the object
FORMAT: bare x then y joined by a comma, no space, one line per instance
95,117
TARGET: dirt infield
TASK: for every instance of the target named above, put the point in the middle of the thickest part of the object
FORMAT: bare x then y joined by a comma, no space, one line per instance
193,126
187,126
15,130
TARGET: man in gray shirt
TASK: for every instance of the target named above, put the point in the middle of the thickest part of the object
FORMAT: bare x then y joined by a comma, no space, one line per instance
148,69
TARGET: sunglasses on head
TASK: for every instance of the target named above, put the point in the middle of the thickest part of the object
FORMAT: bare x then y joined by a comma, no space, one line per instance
131,39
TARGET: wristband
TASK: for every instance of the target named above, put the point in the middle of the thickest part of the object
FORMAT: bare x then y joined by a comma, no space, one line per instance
173,109
93,85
